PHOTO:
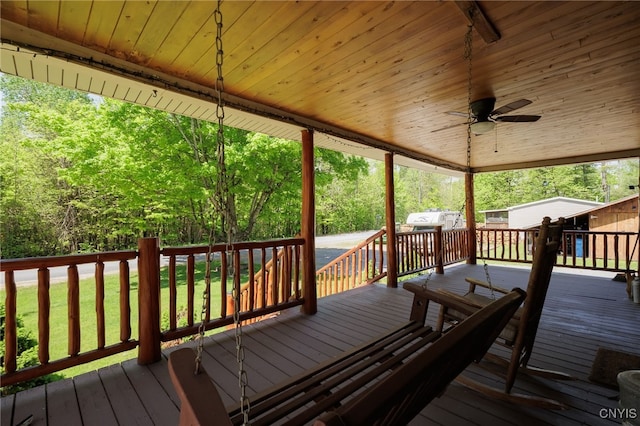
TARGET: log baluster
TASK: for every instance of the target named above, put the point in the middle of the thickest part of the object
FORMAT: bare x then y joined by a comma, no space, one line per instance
191,272
252,282
44,309
73,309
10,326
100,321
125,302
173,294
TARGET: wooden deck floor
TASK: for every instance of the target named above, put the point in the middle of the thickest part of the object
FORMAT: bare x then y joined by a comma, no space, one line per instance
582,313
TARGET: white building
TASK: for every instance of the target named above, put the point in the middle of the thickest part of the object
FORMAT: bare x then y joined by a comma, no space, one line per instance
530,214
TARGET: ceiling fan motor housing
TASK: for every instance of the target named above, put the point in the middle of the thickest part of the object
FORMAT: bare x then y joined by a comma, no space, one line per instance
482,108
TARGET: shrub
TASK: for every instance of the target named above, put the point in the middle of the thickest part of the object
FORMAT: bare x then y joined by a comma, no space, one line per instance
27,355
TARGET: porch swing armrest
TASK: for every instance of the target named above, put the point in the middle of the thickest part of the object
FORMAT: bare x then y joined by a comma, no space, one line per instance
200,402
422,296
473,282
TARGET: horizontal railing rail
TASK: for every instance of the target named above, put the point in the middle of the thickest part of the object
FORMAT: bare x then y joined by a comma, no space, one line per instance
607,251
75,341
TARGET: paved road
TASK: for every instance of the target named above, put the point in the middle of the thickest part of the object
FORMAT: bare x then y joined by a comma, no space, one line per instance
328,247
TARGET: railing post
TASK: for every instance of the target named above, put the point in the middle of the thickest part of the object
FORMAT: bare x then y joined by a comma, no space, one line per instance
438,246
149,300
308,227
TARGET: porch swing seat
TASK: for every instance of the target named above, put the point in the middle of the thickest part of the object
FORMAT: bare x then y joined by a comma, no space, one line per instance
388,380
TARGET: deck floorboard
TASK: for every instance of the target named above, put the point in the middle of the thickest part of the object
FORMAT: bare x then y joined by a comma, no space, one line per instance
583,311
62,404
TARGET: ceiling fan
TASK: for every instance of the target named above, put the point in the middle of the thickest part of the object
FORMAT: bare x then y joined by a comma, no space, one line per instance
484,117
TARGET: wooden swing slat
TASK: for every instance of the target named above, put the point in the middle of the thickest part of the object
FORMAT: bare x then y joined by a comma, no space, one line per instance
309,379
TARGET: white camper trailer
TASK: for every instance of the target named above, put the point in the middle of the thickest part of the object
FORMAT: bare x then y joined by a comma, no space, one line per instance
430,219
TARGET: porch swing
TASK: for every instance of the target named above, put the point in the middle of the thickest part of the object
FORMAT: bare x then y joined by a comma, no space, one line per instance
388,380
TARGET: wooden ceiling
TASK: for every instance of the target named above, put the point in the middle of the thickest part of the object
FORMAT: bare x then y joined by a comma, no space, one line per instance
368,76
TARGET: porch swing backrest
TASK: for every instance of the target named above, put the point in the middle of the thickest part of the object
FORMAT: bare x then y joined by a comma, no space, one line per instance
522,329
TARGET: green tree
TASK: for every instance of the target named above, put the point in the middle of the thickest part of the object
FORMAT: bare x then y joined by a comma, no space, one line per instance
262,173
109,172
622,177
34,222
81,174
504,189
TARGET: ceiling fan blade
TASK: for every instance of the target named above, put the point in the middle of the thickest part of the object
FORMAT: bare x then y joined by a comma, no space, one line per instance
458,114
447,127
518,118
511,107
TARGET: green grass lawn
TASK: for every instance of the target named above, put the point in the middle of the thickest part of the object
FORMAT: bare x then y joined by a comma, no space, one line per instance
27,309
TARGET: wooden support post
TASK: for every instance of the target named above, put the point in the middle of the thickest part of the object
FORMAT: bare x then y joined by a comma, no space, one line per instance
149,300
308,227
392,257
470,208
438,247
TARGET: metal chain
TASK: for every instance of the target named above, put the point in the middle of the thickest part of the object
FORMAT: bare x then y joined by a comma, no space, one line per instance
468,50
486,274
468,55
426,281
204,309
243,380
223,185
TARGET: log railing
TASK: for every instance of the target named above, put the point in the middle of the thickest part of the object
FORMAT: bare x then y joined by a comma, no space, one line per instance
416,251
422,250
363,264
608,251
271,272
277,287
456,246
75,339
276,283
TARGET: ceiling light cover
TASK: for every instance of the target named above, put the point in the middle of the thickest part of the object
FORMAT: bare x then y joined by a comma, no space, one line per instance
482,127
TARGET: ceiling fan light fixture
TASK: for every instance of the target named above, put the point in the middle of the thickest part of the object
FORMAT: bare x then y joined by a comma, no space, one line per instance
482,127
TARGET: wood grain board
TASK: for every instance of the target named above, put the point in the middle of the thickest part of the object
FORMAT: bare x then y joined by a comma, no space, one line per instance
377,74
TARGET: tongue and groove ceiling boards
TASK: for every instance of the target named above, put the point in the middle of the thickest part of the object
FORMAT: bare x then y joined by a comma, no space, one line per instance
369,76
